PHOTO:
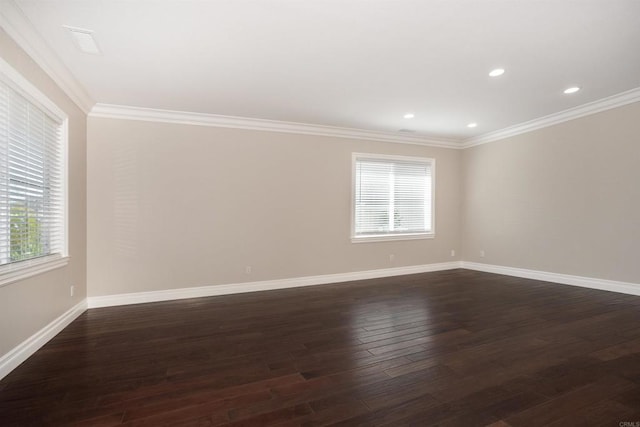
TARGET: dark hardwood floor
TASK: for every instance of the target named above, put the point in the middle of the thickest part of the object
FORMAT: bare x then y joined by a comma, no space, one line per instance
454,348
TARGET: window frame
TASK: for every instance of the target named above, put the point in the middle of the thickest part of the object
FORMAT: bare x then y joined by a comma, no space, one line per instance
390,236
20,270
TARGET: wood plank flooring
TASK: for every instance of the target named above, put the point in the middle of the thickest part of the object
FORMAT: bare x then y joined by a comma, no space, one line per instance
454,348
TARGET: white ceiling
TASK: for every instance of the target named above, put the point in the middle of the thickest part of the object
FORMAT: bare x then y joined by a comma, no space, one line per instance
358,64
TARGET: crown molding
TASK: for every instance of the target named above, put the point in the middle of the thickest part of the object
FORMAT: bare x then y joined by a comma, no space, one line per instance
181,117
614,101
111,111
20,29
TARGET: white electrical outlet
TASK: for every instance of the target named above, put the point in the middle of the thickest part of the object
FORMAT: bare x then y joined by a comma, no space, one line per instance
72,289
453,252
482,253
247,269
392,257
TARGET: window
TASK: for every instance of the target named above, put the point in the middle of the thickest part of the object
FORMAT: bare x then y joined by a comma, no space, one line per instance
32,179
392,197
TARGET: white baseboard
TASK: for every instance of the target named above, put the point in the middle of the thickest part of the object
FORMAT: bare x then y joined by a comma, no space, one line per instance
565,279
267,285
20,353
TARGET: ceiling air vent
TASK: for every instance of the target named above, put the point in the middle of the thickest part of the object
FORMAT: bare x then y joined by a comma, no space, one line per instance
84,40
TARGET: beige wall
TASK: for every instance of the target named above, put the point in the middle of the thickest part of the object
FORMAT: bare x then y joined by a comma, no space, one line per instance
564,199
174,206
29,305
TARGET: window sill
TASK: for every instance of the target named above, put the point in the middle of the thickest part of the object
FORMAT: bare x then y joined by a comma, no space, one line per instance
19,271
390,237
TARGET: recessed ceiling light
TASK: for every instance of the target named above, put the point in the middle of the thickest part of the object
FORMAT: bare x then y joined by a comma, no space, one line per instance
409,116
472,125
497,72
84,40
573,89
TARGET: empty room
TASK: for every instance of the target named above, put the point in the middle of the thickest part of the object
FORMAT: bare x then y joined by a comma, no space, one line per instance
320,212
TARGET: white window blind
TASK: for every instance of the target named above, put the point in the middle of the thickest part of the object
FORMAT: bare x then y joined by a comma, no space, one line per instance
31,180
392,196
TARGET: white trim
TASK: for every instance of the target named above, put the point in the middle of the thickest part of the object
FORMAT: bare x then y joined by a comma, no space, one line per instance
388,237
17,271
109,111
24,87
603,104
64,146
565,279
21,30
123,112
267,285
20,353
24,350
